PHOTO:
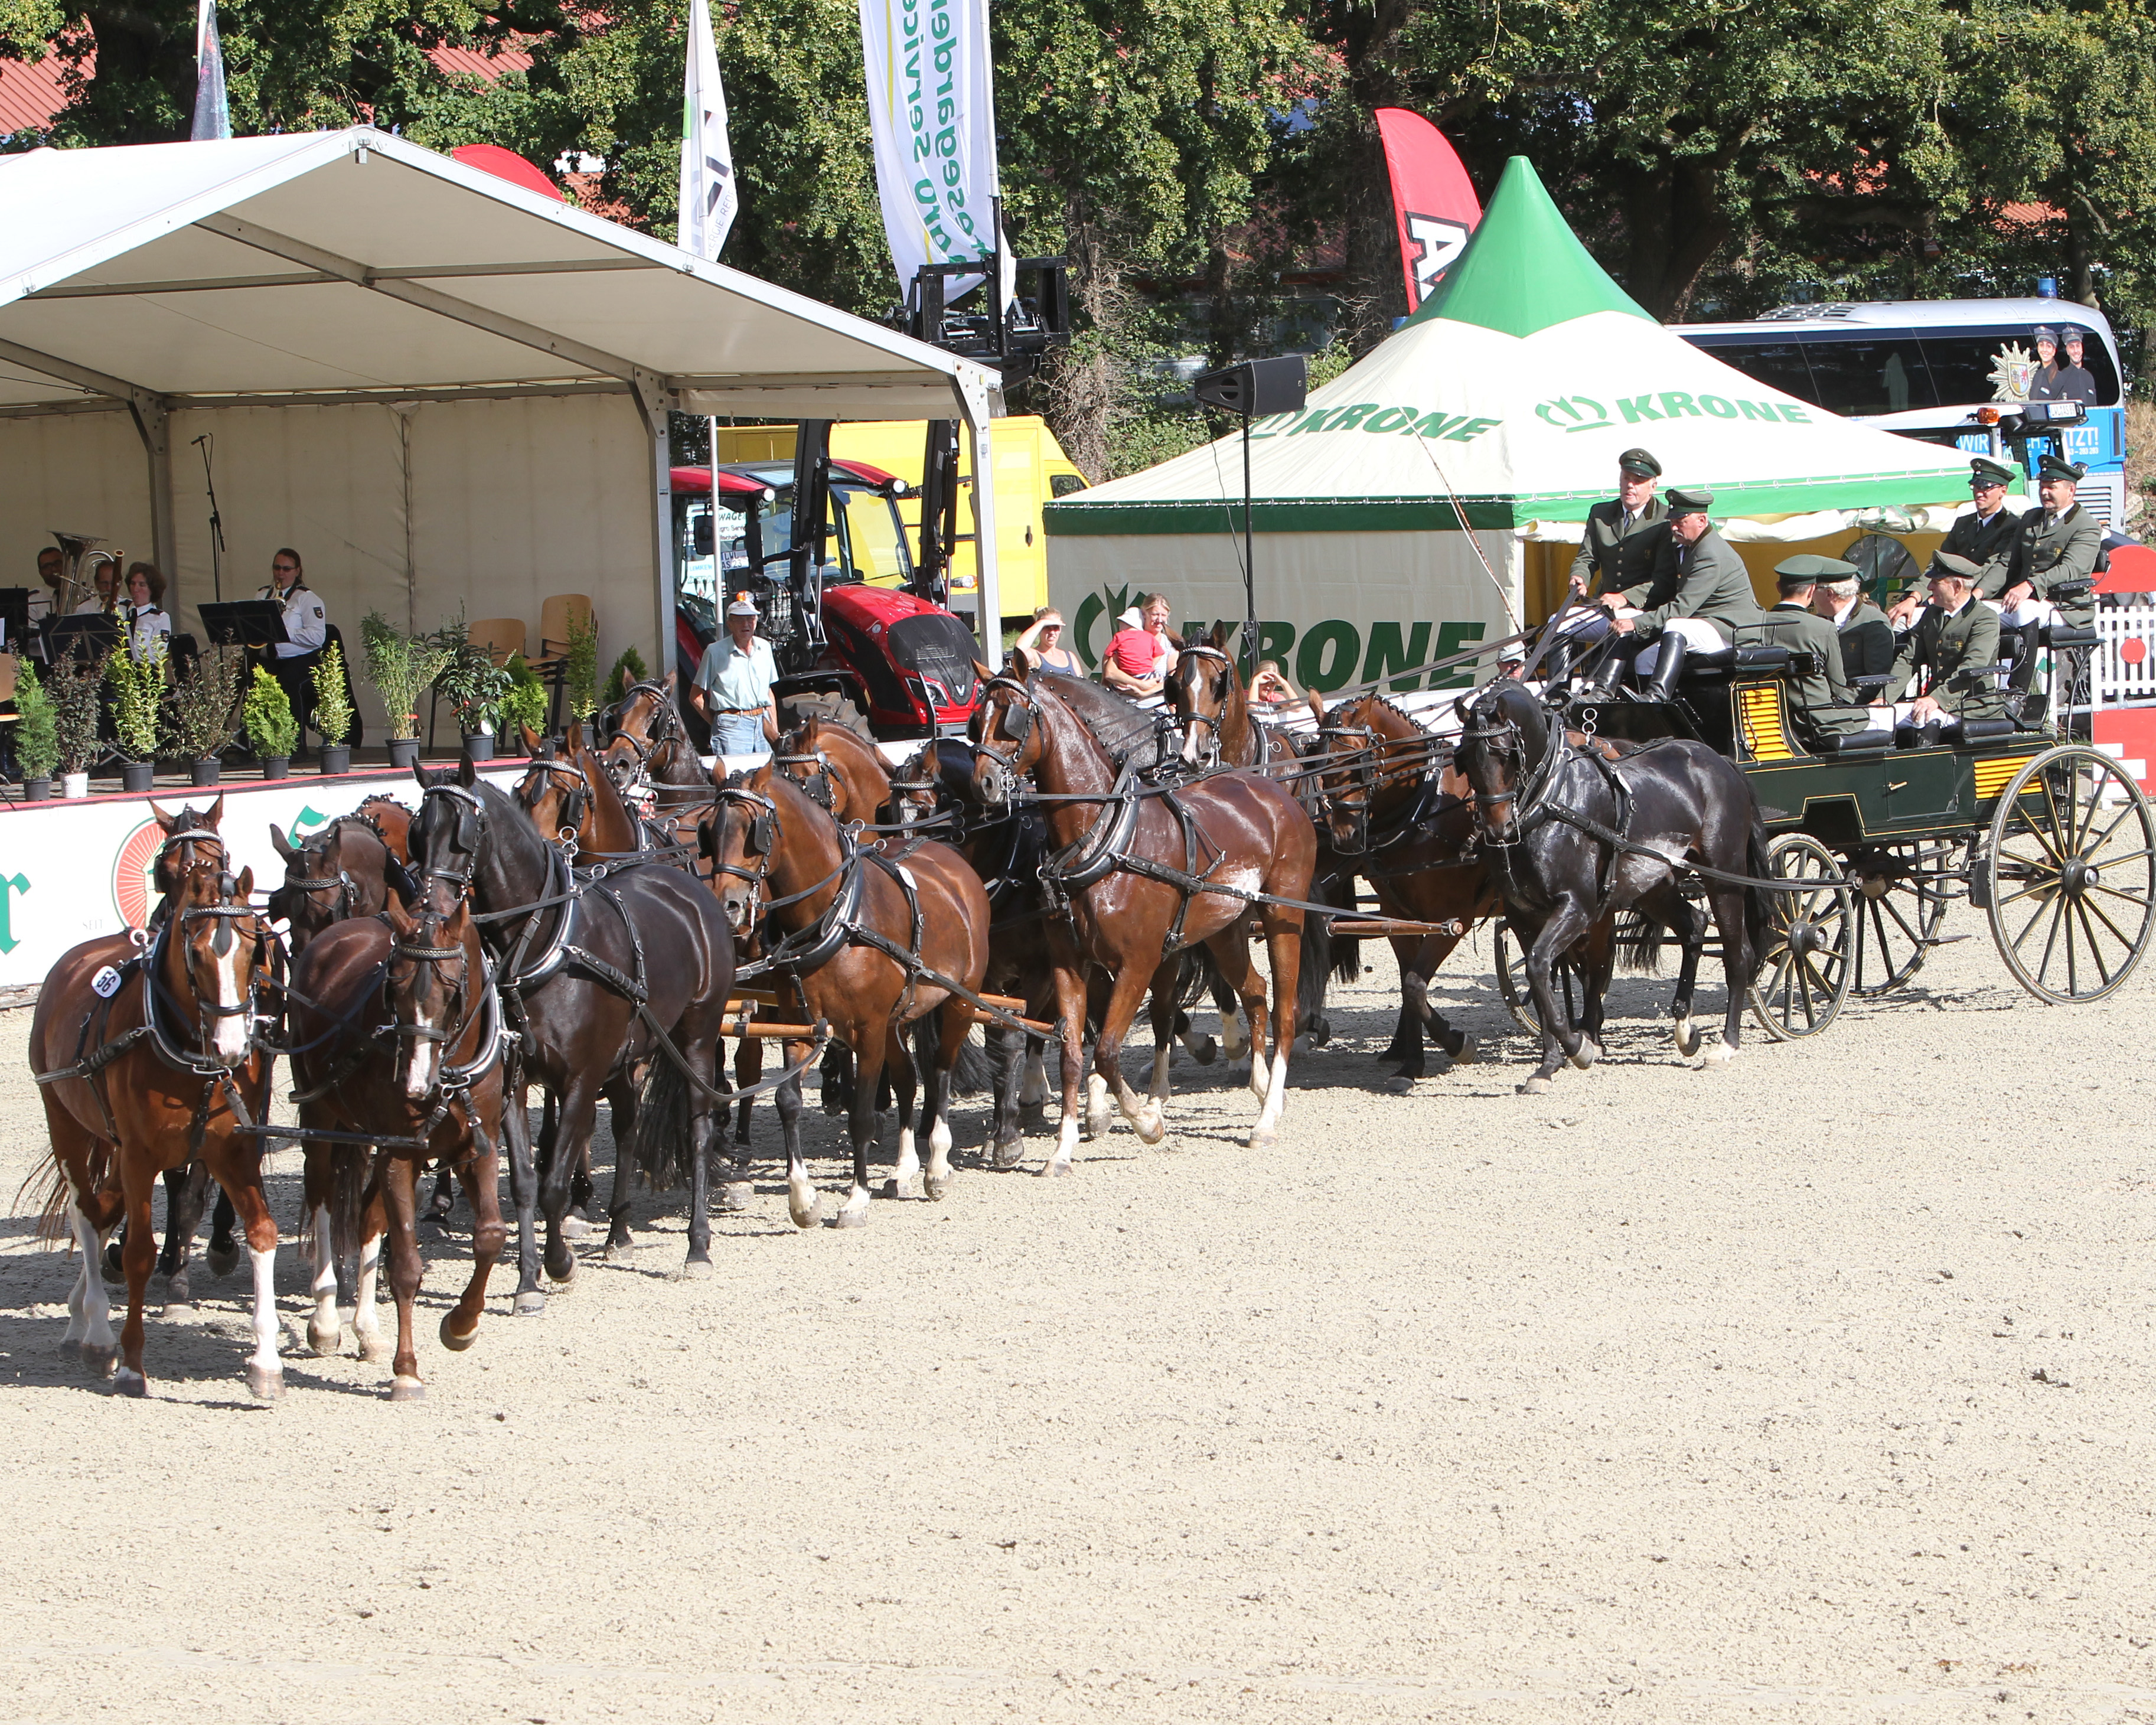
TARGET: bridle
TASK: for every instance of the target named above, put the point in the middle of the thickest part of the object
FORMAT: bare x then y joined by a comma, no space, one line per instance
1210,749
762,842
464,841
1503,741
665,726
1361,770
821,787
576,797
340,883
1022,718
188,866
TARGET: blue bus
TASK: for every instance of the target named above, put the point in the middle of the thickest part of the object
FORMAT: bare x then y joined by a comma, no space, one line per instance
1926,367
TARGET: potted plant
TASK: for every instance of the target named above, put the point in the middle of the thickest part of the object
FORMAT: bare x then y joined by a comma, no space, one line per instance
332,710
402,668
475,685
138,697
271,729
37,742
76,697
205,712
580,674
523,703
627,673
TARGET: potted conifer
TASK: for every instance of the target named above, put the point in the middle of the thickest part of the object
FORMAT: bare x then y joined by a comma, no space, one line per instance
37,742
271,730
332,710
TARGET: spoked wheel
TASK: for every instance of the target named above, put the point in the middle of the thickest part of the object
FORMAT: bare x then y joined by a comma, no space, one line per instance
1512,984
1900,901
2071,875
1805,973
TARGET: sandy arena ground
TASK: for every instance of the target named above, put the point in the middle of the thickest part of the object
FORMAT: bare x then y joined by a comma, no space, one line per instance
1816,1389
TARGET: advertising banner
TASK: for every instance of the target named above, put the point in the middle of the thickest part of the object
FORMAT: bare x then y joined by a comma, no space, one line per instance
1434,202
710,198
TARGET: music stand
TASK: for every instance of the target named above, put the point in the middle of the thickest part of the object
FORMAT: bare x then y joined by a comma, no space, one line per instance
256,624
83,637
14,618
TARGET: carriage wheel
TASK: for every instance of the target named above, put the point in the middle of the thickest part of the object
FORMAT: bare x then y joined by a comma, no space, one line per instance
2071,874
1806,971
1512,984
1900,903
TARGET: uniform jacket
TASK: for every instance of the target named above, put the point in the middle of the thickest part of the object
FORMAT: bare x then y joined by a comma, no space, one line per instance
1803,630
1987,544
2046,554
1613,559
1867,642
1706,580
1948,654
306,624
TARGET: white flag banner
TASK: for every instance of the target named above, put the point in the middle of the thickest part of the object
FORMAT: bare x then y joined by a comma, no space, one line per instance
709,196
212,110
932,114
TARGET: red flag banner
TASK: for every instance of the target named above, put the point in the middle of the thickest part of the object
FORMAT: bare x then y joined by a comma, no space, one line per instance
1433,201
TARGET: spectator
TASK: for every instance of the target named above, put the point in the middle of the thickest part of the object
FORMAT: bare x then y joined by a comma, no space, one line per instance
1270,687
1041,646
732,692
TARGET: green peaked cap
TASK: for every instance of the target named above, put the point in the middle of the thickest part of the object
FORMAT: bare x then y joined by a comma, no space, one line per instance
1523,269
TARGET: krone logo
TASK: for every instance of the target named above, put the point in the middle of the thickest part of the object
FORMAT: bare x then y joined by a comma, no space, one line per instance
132,868
1572,413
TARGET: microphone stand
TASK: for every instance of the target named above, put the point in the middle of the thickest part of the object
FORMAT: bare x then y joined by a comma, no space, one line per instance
216,524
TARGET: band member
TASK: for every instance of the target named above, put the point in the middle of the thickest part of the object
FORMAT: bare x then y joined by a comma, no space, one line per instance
291,661
147,619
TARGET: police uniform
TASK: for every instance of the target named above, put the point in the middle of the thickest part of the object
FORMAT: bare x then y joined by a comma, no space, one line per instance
2044,381
2049,550
2073,382
1617,551
291,661
1822,693
1952,656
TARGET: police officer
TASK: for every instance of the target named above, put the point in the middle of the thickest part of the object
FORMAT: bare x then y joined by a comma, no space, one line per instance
1950,650
2056,543
1866,638
2044,382
1822,692
291,661
1700,601
2073,380
1627,541
1984,535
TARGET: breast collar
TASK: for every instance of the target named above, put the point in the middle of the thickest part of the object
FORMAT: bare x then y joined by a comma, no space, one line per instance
525,977
1094,854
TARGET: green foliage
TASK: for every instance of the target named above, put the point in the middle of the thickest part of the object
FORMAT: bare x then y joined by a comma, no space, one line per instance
524,704
402,669
76,690
332,709
37,740
581,675
267,713
473,682
138,692
204,710
628,671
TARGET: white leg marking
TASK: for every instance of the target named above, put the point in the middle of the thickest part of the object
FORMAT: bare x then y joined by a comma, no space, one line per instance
324,1329
800,1197
1096,1105
97,1305
1034,1091
939,1149
909,1161
1066,1143
1260,1079
265,1312
1143,1114
366,1320
1161,1070
1275,1096
1235,1035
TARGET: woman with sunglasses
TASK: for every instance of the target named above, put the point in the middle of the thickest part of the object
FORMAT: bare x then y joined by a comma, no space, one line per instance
291,661
1042,644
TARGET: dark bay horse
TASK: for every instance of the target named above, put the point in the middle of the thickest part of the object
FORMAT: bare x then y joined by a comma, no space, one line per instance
1233,830
1676,801
147,1060
561,794
396,1032
341,870
866,934
599,971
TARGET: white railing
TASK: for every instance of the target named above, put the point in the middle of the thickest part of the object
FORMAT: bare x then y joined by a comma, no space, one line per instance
2123,671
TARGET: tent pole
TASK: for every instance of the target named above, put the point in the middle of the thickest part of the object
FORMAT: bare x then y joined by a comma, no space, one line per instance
653,403
154,421
989,623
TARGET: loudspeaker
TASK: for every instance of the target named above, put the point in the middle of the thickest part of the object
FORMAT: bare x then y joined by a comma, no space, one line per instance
1256,387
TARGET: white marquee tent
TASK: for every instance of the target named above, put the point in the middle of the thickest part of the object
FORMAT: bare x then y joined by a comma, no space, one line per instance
442,388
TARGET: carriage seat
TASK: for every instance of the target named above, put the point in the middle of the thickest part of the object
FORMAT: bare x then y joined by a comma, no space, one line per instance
1758,659
1853,743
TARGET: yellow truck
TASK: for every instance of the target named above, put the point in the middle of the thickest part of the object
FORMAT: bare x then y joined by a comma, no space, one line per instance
1030,470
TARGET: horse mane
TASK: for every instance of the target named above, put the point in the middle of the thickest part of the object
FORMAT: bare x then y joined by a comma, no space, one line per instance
1119,725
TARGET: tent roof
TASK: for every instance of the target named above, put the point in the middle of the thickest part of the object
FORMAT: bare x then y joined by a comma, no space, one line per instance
348,264
1507,400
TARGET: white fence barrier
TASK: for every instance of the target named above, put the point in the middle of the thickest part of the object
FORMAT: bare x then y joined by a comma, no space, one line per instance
2123,673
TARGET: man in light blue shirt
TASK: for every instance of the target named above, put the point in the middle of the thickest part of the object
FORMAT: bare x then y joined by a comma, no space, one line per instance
732,692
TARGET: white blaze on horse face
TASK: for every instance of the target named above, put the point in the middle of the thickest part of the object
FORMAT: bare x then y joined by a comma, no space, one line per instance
230,1039
419,1054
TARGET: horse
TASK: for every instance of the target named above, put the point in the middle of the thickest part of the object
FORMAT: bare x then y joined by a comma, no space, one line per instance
597,971
649,755
342,870
870,941
839,770
145,1052
559,793
1546,813
397,1041
1127,877
1392,814
1207,693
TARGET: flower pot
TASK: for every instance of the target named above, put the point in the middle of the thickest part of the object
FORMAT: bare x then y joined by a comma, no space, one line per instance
74,784
337,757
276,766
138,776
205,772
480,747
37,790
403,753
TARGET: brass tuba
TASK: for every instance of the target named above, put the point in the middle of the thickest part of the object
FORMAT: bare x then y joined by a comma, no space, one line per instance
80,557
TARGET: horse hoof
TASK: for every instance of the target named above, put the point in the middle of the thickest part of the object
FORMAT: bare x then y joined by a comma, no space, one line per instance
851,1216
1535,1087
1590,1051
934,1189
128,1382
115,1270
575,1227
1464,1055
528,1304
567,1273
1204,1051
451,1340
699,1269
807,1212
898,1188
1400,1084
178,1310
222,1260
618,1251
323,1339
408,1389
265,1383
1721,1054
1264,1137
1687,1039
1004,1157
1321,1032
1056,1169
98,1361
374,1346
737,1195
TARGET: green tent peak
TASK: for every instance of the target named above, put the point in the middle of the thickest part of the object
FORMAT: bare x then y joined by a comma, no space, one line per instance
1523,269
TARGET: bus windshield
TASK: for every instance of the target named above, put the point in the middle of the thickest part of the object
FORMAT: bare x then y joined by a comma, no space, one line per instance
1860,371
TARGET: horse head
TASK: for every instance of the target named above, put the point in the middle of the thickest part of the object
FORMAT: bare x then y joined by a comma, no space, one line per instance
1505,738
448,836
1376,755
1202,692
1009,736
740,836
556,794
636,728
219,950
431,985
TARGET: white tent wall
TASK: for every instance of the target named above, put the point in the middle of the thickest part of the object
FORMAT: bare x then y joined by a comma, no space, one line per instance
1334,609
73,472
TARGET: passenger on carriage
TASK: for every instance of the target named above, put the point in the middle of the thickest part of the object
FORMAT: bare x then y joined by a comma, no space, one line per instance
2055,544
1867,639
1984,536
1822,694
1951,652
1698,602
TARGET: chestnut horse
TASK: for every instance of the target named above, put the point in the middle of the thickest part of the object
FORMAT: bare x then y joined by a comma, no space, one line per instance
1205,691
840,770
1236,831
396,1032
148,1060
870,939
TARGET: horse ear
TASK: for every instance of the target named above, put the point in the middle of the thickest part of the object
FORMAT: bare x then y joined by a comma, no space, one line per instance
1464,705
421,777
572,739
399,918
245,888
531,740
1317,706
164,819
216,813
467,774
284,848
668,684
1219,638
985,672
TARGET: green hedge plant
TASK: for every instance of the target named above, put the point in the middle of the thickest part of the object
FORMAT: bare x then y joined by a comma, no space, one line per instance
332,708
37,740
272,731
138,698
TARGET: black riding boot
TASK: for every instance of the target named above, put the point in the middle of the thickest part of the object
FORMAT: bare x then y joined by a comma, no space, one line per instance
1663,684
1557,663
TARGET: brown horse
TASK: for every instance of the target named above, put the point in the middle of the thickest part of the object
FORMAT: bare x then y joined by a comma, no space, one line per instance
342,870
148,1060
649,755
1205,691
839,770
560,793
1234,831
870,941
1393,813
396,1029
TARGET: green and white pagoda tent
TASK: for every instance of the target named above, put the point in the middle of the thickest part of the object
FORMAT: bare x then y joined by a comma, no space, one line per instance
1423,498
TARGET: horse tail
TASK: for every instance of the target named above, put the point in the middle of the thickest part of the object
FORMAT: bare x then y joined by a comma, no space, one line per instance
50,1197
1345,950
1758,900
659,1144
1319,966
1638,943
349,1168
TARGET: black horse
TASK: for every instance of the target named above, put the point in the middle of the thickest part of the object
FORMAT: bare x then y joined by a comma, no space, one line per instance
1546,812
598,970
